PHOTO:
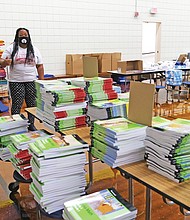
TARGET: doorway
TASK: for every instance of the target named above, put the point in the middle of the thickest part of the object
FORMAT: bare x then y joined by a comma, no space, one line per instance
151,38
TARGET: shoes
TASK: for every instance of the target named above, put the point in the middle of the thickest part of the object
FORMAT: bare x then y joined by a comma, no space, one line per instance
31,127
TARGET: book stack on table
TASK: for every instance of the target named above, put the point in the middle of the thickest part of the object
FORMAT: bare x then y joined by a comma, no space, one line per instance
4,151
10,125
58,170
107,109
96,88
118,141
20,157
103,205
40,85
103,99
168,148
62,107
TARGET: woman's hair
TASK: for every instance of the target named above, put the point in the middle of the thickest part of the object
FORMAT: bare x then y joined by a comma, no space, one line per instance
30,49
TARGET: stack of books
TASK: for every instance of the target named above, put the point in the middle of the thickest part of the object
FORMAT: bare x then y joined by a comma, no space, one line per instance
102,97
107,109
97,88
2,70
39,85
4,151
2,43
10,125
117,141
105,204
124,96
117,89
58,170
62,107
20,157
168,148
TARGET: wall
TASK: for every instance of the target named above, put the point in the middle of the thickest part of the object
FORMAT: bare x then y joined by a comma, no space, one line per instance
58,27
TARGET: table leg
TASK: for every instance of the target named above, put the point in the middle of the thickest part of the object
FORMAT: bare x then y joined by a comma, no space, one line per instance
125,86
90,164
131,190
148,203
150,77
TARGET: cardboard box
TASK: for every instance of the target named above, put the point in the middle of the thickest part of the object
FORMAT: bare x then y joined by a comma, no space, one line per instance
105,62
122,65
135,65
74,64
68,62
130,65
182,58
115,57
90,67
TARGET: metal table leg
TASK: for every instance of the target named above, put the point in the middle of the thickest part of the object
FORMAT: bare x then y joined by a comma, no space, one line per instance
148,203
131,191
90,165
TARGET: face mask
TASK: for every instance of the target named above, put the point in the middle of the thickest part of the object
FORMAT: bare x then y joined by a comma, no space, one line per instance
23,40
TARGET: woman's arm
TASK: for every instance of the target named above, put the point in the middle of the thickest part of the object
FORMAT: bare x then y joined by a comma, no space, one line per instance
40,69
5,62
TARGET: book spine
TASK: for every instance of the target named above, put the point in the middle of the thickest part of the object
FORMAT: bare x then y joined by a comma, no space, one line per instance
109,112
100,146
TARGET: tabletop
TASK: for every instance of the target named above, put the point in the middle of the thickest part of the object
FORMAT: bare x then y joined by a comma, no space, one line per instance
176,192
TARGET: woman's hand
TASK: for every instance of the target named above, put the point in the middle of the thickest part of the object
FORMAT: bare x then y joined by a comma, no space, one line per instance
40,69
5,62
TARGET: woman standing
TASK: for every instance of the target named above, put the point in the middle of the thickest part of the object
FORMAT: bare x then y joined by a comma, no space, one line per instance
26,63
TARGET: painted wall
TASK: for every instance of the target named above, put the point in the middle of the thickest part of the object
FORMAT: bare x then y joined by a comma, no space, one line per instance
58,27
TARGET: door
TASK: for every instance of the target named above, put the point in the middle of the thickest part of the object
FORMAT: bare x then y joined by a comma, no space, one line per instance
151,38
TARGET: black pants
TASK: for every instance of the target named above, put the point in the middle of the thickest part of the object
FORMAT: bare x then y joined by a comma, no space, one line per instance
21,91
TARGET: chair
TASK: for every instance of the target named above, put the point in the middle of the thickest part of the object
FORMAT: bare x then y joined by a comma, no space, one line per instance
14,186
15,196
186,81
123,82
157,88
174,83
159,84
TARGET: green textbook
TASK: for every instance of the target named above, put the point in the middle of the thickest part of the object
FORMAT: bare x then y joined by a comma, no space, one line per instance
22,140
103,205
118,127
10,122
55,146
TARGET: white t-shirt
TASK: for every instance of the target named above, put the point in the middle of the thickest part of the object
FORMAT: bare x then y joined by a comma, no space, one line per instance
21,71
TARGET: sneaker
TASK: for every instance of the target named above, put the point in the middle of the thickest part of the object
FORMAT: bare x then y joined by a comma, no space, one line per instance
31,127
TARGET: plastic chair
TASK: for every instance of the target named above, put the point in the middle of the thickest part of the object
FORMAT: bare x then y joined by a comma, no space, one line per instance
157,88
14,195
124,83
174,82
187,85
3,108
14,186
159,84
